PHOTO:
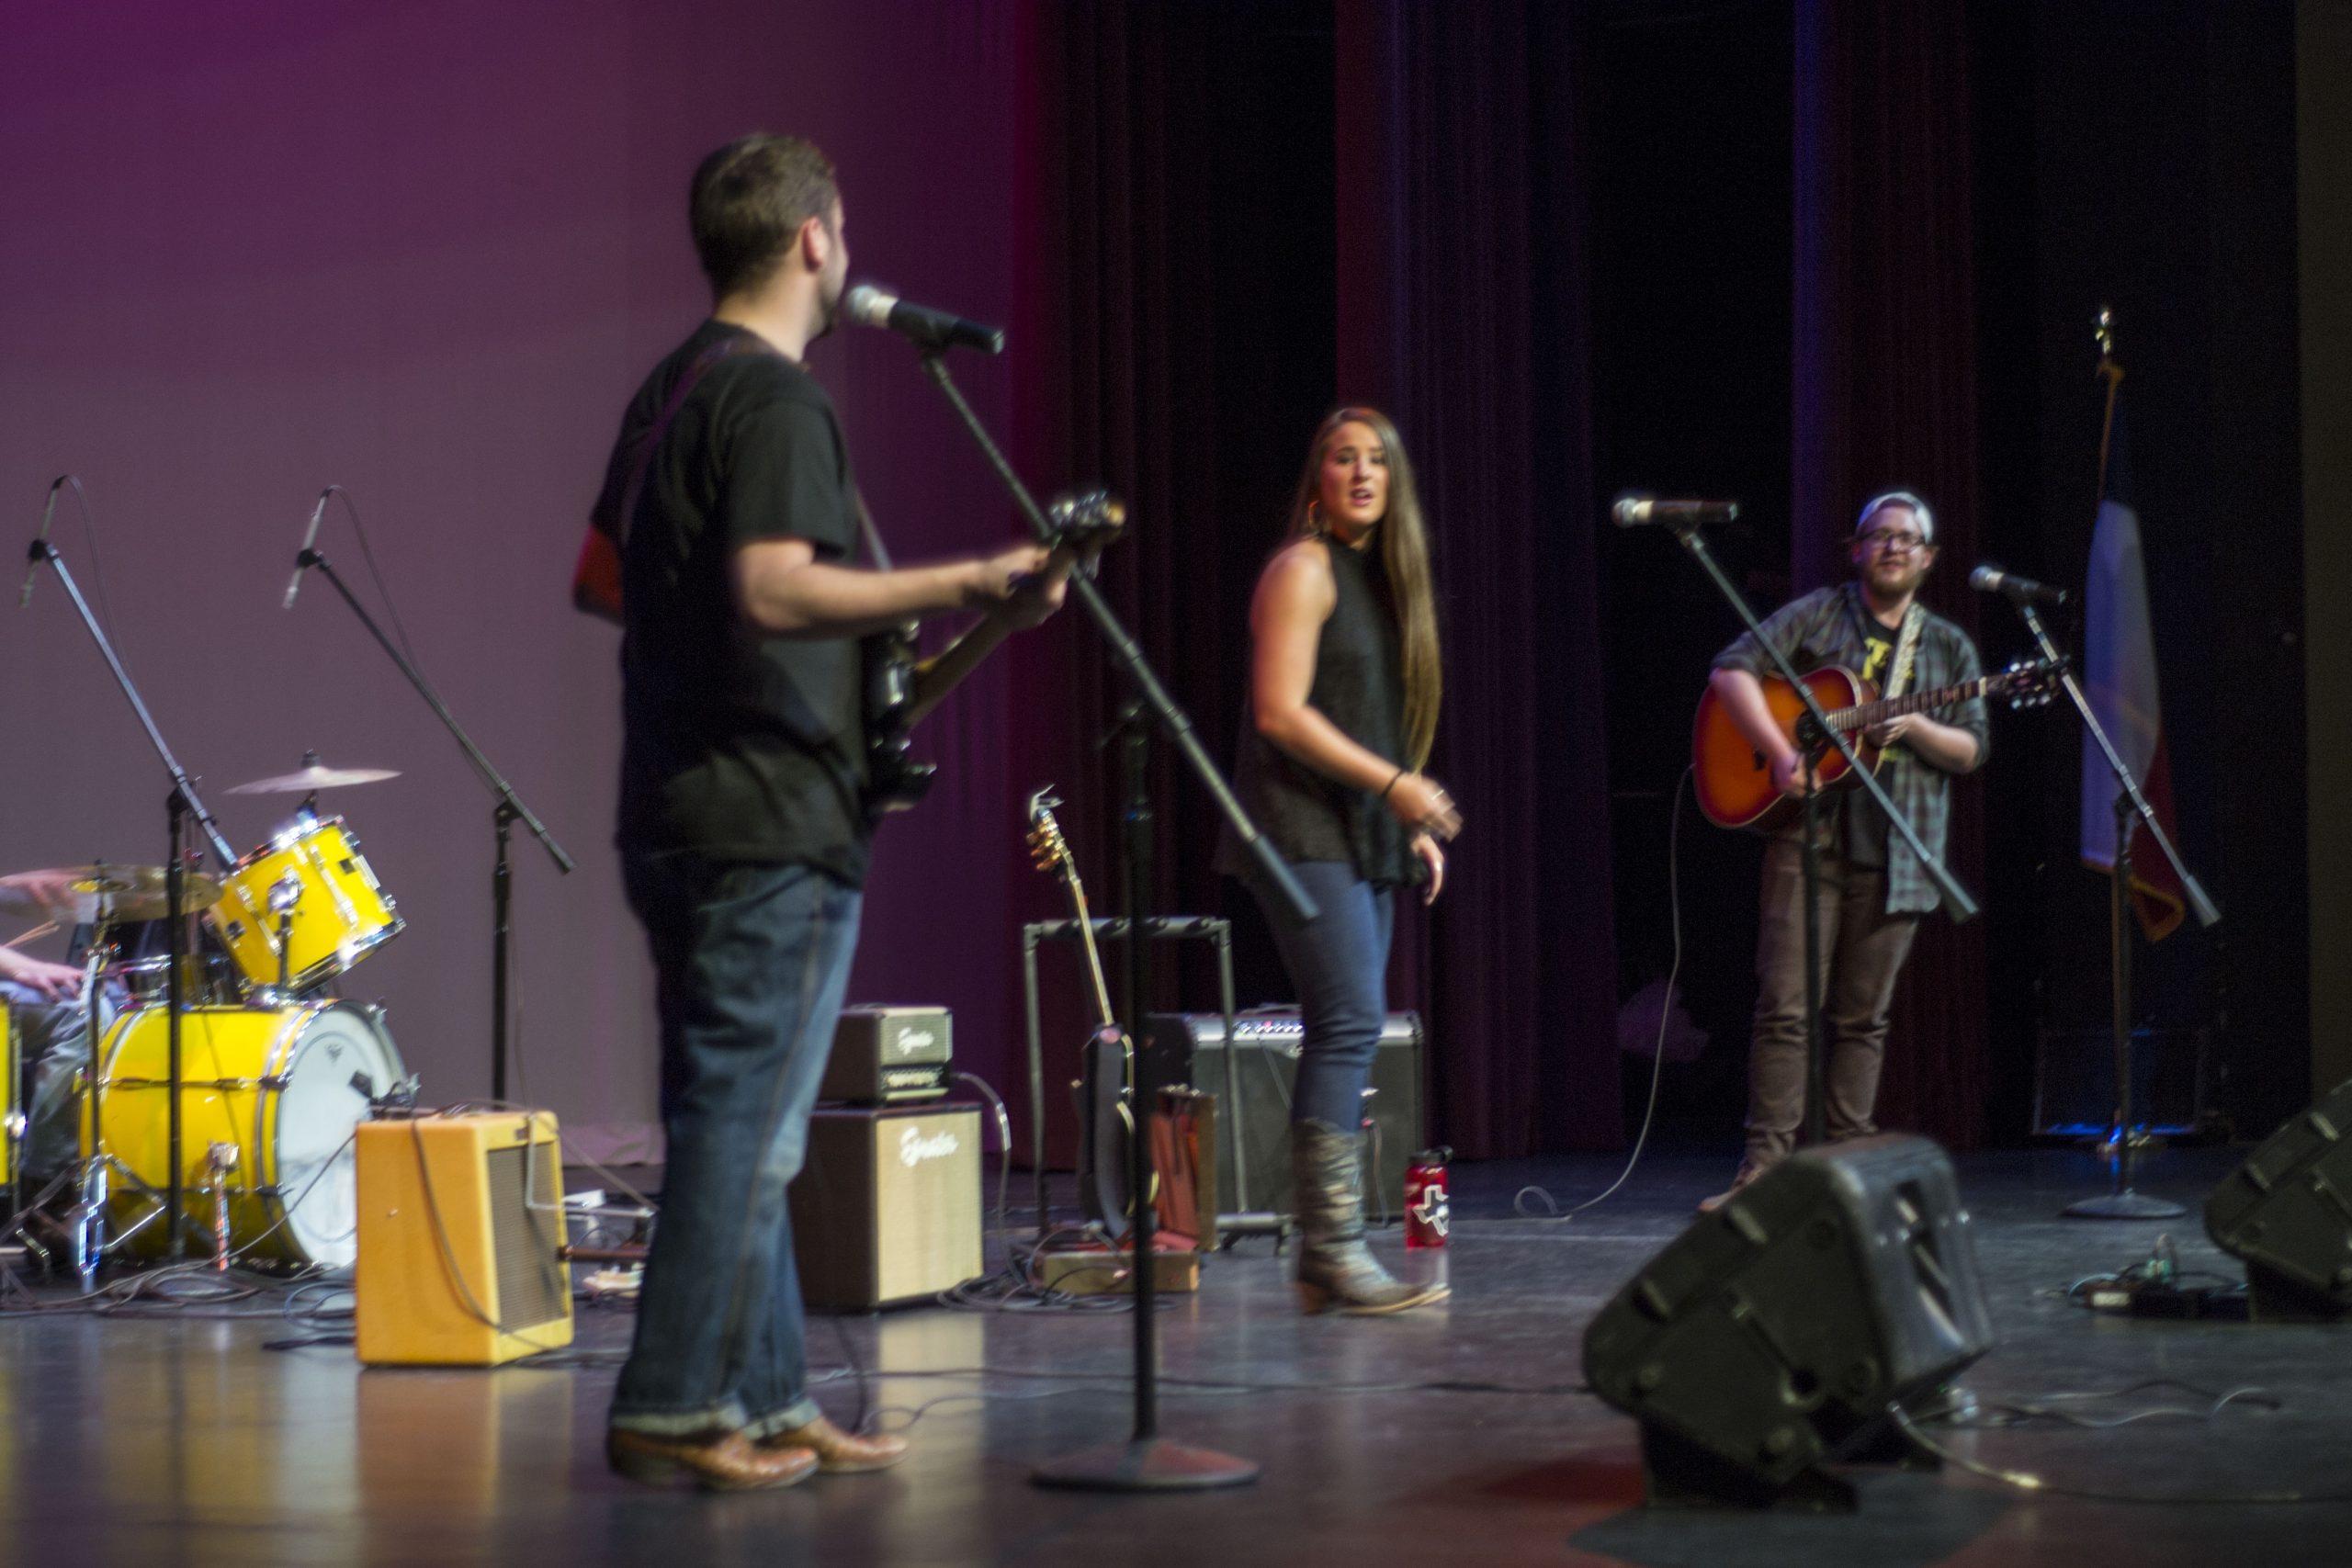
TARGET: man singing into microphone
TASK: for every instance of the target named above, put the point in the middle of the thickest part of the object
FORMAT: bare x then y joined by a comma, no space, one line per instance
1872,889
743,832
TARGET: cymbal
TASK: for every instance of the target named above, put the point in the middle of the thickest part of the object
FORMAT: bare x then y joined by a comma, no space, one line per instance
116,893
312,776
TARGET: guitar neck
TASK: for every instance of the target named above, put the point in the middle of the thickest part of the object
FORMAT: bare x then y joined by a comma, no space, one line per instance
1864,714
1093,953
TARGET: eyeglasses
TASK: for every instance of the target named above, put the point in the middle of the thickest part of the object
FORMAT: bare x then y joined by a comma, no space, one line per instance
1891,541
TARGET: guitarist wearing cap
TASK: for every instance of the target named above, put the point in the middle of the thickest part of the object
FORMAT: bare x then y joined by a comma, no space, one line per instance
1872,890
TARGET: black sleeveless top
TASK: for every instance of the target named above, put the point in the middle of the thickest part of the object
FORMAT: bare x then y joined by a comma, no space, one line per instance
1359,686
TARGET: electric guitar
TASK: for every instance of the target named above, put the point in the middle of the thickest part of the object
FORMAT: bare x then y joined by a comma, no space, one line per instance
1184,1121
1735,779
899,687
1105,1117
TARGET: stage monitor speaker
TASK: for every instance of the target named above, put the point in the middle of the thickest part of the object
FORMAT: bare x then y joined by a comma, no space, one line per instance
1774,1334
2287,1214
1189,1048
460,1231
887,1207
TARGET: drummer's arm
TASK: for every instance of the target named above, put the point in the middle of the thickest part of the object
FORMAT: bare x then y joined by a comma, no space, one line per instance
52,982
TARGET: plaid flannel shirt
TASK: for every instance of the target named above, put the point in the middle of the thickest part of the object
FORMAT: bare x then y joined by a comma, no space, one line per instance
1825,627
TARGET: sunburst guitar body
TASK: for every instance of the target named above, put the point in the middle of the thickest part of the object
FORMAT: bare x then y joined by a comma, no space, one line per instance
1735,779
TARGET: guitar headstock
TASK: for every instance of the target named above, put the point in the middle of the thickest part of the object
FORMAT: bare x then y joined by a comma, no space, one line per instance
1048,849
2032,682
1085,519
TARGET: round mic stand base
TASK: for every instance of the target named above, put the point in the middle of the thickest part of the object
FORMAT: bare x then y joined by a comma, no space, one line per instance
1145,1464
2124,1205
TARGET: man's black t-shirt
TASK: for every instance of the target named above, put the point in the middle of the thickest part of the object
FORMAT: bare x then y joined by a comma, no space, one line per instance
735,745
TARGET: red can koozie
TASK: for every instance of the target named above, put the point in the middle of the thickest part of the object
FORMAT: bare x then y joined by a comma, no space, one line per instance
1427,1214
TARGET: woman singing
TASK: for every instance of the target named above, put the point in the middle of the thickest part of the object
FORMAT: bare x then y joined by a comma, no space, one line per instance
1343,700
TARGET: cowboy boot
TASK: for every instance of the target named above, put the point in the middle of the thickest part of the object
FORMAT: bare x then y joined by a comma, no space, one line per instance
1336,1270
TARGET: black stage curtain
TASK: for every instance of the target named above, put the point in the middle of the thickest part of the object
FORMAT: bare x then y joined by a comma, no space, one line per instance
1462,292
1884,396
1261,213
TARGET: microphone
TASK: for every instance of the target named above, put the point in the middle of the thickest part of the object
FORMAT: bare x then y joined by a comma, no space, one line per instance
37,551
934,330
301,559
2018,590
1633,511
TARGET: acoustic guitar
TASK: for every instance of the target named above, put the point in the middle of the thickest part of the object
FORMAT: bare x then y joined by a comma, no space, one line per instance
1735,779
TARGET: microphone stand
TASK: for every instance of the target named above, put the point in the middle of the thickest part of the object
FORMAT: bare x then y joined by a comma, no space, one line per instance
1816,741
508,811
1146,1461
2123,1142
180,804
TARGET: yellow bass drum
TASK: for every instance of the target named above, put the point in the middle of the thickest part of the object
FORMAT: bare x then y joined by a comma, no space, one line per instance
283,1086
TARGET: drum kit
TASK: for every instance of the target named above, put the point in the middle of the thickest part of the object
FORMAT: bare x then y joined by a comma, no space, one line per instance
239,1049
276,1071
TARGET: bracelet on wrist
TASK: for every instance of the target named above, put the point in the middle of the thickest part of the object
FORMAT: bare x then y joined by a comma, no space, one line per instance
1392,782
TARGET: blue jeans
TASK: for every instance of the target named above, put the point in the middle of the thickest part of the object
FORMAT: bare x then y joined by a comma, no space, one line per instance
751,961
53,1043
1339,963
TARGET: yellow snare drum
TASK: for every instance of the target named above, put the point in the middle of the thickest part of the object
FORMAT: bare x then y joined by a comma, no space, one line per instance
283,1086
314,877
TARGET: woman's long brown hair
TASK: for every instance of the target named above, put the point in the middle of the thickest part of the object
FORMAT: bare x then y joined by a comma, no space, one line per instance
1404,548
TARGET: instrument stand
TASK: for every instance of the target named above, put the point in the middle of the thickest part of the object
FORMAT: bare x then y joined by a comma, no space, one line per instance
1242,1219
182,805
1820,735
509,810
2124,1141
1146,1461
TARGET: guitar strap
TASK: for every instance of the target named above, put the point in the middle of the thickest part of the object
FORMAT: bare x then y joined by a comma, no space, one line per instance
1906,650
597,576
874,550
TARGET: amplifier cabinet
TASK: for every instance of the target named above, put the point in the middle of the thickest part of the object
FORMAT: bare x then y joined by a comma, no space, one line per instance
460,1224
1189,1048
886,1208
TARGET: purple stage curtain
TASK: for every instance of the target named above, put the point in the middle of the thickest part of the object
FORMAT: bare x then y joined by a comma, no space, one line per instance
1461,293
1884,393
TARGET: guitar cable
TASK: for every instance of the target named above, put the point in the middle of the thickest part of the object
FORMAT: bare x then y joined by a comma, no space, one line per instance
1523,1201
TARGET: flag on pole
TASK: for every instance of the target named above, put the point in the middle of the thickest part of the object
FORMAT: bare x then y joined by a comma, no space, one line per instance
2119,679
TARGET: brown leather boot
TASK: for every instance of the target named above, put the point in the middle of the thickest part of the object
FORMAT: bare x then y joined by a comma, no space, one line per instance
1749,1169
730,1464
836,1451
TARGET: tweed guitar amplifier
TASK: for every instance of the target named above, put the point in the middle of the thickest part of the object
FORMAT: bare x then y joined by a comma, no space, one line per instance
886,1208
460,1226
887,1055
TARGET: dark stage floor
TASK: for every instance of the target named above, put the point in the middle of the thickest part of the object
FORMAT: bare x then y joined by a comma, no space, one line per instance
134,1441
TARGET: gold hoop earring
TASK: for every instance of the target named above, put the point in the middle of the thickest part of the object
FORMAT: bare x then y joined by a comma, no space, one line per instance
1315,523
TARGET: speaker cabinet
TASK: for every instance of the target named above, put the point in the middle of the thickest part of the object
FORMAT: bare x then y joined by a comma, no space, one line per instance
460,1224
1772,1336
886,1208
1255,1100
2286,1213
